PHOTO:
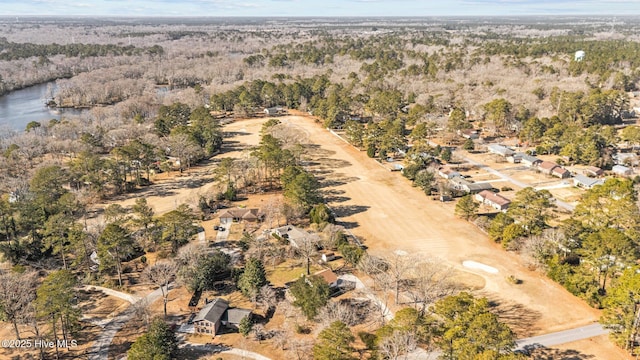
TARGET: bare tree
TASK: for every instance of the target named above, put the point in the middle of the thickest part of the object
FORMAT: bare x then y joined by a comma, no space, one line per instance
161,275
141,311
397,344
330,235
337,311
268,298
306,248
430,281
400,263
300,349
16,293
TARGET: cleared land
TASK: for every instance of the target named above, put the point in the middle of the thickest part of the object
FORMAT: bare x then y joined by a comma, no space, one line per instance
389,214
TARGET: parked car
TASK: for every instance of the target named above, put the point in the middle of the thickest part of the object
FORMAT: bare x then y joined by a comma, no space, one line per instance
216,227
220,228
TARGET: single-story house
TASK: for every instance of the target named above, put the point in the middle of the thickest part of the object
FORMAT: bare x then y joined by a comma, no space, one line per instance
592,171
460,184
448,173
586,182
625,158
328,276
273,110
529,160
514,159
216,313
622,170
500,150
469,134
292,233
238,214
561,172
546,167
492,199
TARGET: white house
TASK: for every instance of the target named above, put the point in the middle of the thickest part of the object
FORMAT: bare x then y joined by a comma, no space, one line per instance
586,182
500,150
492,199
622,170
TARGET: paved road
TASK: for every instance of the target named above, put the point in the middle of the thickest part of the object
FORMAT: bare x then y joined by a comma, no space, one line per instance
562,337
100,348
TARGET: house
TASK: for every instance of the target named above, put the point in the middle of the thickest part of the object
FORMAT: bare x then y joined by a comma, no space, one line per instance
217,313
448,173
328,276
276,110
292,233
514,159
625,158
238,214
469,134
592,171
460,184
209,318
528,160
621,170
500,150
586,182
492,199
546,167
560,172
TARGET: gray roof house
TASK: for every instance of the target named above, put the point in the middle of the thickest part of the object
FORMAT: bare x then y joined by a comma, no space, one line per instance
217,313
528,160
622,170
292,233
586,182
500,150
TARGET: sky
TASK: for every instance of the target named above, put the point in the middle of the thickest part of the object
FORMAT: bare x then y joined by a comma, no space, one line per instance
270,8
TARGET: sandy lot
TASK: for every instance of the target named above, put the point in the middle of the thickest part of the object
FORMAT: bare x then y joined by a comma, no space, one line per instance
389,214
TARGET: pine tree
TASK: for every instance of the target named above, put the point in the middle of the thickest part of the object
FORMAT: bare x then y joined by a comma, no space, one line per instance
253,278
467,208
159,343
334,343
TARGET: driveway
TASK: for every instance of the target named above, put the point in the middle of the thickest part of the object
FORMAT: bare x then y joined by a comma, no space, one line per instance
222,236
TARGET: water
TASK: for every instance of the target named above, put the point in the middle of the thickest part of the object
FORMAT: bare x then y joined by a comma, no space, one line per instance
20,107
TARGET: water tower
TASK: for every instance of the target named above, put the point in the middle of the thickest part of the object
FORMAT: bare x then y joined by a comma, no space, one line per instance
579,55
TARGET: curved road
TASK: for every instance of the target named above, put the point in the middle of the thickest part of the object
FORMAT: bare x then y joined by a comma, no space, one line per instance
562,337
100,348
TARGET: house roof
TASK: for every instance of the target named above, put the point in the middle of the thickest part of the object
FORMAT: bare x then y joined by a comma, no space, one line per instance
547,165
238,213
327,275
620,169
213,311
593,169
587,181
235,315
479,186
501,149
528,158
559,170
494,198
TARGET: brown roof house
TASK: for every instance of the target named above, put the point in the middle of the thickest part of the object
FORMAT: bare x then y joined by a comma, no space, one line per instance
546,167
561,172
494,200
238,214
215,314
328,276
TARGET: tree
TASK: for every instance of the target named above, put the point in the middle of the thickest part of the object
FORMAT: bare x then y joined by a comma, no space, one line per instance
245,326
206,271
608,250
161,274
499,111
470,331
311,294
321,214
458,120
467,208
351,253
253,278
177,226
143,217
469,145
531,209
55,233
425,180
16,293
622,309
334,343
354,132
445,154
55,302
302,190
159,343
114,246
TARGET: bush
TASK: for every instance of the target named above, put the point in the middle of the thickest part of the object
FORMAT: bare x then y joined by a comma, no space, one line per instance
368,339
506,188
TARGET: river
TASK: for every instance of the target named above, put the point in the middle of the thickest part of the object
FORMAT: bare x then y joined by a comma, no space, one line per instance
20,107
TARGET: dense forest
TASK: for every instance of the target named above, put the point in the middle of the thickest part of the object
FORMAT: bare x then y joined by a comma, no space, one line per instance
158,91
